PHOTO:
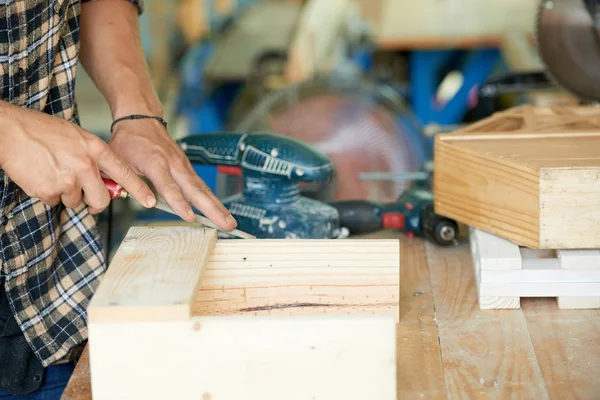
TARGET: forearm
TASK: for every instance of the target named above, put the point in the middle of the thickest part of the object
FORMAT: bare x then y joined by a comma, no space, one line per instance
112,54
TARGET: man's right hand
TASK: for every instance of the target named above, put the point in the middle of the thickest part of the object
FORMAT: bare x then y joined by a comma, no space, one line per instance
57,161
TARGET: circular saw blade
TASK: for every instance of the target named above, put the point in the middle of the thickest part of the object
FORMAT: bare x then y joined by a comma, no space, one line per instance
568,45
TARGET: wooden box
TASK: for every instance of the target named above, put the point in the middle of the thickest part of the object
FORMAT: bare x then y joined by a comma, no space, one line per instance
529,175
182,315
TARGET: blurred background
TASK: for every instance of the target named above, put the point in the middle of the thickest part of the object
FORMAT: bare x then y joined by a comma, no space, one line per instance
367,82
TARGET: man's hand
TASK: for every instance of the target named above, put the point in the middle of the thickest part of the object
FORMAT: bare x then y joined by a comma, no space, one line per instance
112,54
57,161
145,145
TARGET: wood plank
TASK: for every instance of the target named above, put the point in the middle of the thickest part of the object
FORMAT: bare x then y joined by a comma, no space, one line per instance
491,194
401,24
154,276
564,342
566,347
234,358
420,370
579,259
300,352
569,213
495,253
578,302
529,175
486,354
483,252
301,277
80,383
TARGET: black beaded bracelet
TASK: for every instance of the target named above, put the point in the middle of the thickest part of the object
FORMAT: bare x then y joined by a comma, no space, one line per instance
136,116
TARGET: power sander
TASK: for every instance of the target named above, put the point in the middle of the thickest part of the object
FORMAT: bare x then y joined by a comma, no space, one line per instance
273,167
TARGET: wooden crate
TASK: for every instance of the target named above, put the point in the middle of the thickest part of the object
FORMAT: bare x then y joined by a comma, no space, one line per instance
505,272
530,175
182,315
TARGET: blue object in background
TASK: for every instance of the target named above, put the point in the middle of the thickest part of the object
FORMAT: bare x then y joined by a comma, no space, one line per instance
203,105
429,67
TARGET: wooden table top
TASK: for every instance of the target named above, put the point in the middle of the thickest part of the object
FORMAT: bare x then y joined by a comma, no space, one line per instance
449,348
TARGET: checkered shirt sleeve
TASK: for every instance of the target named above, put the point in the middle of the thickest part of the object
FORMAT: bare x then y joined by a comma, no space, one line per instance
51,257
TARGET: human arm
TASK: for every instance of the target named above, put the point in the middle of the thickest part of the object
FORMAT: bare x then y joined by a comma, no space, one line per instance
111,52
57,161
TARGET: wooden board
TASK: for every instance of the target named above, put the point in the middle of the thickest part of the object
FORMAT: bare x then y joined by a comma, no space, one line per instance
154,275
486,354
439,283
529,175
505,273
191,317
300,278
406,24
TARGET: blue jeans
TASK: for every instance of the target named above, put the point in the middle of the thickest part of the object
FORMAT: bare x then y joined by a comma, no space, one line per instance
56,378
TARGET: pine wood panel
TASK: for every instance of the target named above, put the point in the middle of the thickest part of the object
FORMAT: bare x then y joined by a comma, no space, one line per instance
476,344
482,191
154,275
289,277
486,354
420,370
528,174
566,347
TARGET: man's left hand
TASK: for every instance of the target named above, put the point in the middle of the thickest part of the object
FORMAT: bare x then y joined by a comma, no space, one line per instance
146,146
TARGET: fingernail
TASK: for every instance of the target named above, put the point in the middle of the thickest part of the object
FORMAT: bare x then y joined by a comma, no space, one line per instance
150,201
191,214
230,220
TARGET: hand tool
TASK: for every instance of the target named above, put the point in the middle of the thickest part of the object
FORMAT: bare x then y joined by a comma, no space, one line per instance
116,191
568,42
273,167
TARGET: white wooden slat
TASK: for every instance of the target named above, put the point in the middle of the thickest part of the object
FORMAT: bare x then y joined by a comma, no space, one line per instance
496,253
579,259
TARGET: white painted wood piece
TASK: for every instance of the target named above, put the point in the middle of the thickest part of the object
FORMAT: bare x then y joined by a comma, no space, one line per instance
573,276
183,315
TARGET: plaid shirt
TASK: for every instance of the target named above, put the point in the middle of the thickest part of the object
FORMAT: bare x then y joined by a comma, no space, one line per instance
51,257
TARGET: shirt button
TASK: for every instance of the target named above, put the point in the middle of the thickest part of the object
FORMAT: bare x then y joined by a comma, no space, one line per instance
20,72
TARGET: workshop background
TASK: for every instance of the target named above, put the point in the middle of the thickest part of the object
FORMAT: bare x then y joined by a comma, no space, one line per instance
367,82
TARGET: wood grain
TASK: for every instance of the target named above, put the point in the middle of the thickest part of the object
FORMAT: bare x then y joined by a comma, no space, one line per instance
566,347
154,276
290,277
476,344
420,371
493,194
529,175
486,354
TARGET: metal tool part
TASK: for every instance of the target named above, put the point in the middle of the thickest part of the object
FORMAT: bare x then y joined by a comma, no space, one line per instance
116,191
567,33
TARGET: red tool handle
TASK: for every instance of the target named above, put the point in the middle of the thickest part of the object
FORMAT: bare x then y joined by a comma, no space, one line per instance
114,189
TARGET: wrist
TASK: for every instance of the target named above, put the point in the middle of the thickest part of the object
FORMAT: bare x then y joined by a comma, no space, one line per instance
136,105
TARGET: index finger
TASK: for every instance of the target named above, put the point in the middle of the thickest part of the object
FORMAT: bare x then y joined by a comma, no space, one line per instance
122,173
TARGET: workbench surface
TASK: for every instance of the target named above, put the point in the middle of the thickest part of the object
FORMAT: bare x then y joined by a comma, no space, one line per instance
449,348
